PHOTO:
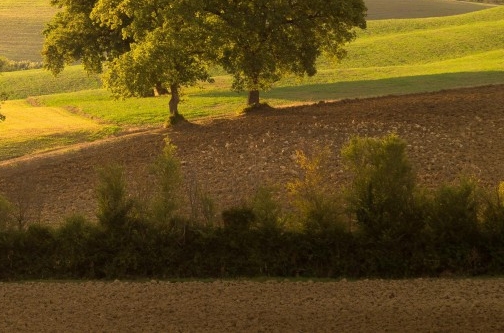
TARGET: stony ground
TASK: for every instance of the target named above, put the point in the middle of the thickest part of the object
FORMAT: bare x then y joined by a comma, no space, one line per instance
450,133
421,305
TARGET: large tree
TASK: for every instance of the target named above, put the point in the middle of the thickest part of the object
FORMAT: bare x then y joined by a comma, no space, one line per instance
144,45
264,40
170,50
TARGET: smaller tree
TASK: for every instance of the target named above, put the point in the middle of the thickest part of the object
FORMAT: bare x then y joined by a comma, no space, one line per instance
314,199
262,41
143,45
164,58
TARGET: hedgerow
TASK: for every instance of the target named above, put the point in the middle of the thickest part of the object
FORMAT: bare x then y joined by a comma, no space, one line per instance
381,224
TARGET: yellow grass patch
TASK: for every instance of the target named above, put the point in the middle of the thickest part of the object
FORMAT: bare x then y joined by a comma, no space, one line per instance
29,129
23,120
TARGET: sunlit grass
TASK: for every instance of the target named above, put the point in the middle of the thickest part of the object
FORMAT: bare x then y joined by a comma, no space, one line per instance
391,57
27,129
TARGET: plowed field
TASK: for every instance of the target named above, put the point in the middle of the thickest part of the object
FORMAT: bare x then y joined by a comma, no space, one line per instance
450,133
421,305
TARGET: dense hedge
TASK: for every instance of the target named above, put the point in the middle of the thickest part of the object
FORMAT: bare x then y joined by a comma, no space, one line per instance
381,226
81,250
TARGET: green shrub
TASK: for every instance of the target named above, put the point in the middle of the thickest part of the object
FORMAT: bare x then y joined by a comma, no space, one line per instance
33,252
202,205
114,205
493,229
453,225
238,219
73,247
385,203
169,178
267,212
382,193
493,216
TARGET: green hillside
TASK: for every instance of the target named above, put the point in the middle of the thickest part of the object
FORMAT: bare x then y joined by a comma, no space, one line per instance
390,57
421,41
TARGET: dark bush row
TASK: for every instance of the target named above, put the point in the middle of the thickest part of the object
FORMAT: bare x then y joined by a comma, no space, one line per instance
380,225
81,250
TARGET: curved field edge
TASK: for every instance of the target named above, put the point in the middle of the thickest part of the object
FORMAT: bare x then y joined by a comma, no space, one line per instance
30,129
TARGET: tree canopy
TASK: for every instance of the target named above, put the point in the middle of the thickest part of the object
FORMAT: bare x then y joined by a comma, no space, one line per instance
170,43
264,40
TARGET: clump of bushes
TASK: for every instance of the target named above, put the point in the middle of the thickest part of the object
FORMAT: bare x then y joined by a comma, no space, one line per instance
7,65
380,224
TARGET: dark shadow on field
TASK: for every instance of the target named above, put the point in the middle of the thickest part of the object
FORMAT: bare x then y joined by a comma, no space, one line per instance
382,87
47,142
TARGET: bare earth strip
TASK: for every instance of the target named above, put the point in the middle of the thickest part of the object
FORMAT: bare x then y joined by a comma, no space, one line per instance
421,305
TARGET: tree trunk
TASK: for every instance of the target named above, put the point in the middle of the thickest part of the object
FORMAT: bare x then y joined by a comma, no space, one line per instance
174,100
253,97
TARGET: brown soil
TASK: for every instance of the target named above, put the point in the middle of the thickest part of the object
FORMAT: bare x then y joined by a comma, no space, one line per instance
421,305
449,133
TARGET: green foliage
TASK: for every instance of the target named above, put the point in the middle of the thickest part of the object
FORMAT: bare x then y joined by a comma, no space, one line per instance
169,179
34,253
453,217
492,227
73,246
238,219
262,41
72,36
454,226
201,203
382,197
114,204
3,95
382,194
493,215
3,98
12,66
456,230
267,211
155,44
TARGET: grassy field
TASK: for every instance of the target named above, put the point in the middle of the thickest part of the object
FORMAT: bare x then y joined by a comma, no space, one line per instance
390,57
30,129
